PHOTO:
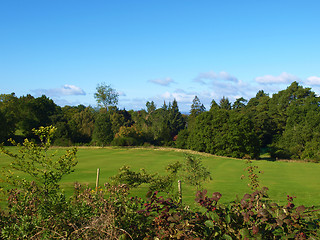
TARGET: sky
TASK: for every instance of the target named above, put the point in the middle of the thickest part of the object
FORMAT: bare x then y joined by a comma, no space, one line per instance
157,50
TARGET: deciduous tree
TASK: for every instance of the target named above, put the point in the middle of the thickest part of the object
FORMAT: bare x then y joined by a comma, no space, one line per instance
106,96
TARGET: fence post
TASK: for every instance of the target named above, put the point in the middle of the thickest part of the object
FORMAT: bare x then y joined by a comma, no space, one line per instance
180,191
97,180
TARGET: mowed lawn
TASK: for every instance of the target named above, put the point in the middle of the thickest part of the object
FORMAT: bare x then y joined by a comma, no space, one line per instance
282,178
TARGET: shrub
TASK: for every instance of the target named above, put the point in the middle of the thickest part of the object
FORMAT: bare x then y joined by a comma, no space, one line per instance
124,141
38,209
182,139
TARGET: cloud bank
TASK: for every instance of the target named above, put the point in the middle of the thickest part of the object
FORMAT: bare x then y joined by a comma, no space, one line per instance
282,78
65,90
222,84
313,80
216,85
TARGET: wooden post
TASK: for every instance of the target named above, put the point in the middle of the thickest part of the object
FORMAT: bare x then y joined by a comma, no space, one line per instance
97,180
180,191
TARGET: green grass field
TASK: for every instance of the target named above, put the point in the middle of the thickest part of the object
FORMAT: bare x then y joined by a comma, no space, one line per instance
282,178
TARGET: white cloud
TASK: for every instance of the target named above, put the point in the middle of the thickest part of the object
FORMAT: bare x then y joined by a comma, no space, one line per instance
223,84
162,82
65,90
313,80
70,90
211,75
282,78
216,86
184,98
180,96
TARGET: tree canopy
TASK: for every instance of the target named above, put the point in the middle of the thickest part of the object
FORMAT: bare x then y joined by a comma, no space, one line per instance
106,96
285,125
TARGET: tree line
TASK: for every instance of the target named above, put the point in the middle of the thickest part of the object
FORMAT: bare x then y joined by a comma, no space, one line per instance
285,125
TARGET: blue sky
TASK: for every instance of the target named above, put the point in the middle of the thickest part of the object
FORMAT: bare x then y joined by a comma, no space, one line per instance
157,50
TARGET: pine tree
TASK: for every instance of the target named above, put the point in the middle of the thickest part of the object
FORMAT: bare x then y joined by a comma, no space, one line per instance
197,107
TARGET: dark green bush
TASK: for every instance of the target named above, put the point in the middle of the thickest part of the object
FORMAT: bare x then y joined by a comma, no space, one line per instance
124,141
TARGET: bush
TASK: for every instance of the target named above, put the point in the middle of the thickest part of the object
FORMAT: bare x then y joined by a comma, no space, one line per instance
182,139
38,209
63,142
124,141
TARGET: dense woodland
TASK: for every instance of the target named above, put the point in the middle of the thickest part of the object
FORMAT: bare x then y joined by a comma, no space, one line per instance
286,124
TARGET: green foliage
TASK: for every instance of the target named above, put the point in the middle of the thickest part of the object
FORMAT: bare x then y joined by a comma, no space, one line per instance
102,133
253,176
194,173
8,116
176,121
197,107
255,218
81,125
34,160
125,142
191,172
161,125
128,136
224,133
151,107
130,178
239,104
106,96
225,103
36,201
301,132
285,125
182,139
214,105
265,126
120,118
111,213
5,130
35,112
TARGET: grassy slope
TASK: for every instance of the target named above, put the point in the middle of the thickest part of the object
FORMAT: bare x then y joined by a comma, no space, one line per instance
282,178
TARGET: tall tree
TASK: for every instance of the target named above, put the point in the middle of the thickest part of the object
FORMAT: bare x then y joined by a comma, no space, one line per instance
82,125
225,103
102,133
224,133
197,107
151,107
281,101
165,106
176,121
120,118
8,116
35,112
258,111
240,103
214,105
160,125
106,96
300,137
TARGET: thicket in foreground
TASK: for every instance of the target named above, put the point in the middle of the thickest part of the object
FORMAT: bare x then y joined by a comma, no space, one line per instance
35,203
38,209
